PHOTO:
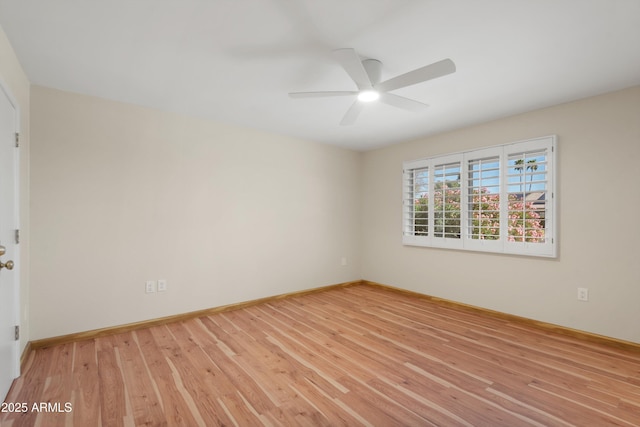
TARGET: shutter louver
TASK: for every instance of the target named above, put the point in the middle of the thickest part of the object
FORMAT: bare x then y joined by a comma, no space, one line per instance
527,196
484,198
416,202
446,206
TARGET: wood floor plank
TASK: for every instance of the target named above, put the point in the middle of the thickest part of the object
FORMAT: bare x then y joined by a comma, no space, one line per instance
177,410
351,356
199,383
113,407
144,399
86,396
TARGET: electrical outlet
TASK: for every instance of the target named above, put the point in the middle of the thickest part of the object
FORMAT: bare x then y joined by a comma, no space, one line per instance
343,261
150,286
162,285
583,294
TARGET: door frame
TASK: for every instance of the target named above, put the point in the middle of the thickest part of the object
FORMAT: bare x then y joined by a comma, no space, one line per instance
6,91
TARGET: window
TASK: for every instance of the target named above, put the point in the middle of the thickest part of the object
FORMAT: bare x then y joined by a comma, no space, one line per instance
497,199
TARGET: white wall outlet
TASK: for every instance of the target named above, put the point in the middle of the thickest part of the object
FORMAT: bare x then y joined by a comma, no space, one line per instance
583,294
343,260
162,285
150,286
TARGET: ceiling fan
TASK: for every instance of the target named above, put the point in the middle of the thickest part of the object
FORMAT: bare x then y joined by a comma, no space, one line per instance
366,75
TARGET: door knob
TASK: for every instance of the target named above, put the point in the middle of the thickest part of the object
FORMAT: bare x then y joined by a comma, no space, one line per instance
3,250
8,265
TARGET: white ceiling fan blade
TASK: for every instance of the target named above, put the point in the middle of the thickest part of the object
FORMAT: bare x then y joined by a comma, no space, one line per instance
435,70
352,113
402,102
322,94
352,64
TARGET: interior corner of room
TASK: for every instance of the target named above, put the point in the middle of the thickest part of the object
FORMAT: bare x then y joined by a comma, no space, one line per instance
130,214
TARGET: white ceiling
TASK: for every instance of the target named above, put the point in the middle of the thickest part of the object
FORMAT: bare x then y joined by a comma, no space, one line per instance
235,61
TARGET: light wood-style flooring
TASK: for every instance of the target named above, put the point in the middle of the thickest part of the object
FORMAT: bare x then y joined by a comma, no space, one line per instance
350,356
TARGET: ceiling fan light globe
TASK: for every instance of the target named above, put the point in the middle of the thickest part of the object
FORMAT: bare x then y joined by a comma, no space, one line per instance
368,96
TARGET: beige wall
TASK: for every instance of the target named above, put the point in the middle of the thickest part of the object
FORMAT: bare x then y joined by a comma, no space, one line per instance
15,81
122,194
598,164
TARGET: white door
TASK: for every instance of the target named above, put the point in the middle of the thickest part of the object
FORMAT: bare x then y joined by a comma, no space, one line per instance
9,358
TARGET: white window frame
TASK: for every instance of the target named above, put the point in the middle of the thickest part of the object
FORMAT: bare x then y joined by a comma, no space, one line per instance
546,248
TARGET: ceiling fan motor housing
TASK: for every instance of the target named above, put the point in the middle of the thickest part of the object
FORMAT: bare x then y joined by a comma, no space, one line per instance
373,67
